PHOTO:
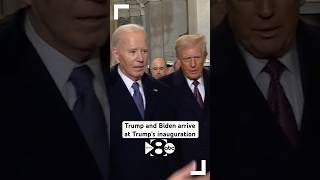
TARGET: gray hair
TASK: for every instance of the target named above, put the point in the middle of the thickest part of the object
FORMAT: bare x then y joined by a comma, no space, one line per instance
124,28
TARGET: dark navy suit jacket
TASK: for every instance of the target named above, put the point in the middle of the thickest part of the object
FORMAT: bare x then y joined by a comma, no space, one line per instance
128,155
187,109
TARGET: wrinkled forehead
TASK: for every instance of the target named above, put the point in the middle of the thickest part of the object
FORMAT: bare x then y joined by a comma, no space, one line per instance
158,63
129,37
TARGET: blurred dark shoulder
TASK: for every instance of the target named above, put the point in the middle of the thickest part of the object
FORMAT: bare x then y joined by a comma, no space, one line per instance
11,35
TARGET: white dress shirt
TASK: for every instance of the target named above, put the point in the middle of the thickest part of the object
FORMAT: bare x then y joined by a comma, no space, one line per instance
200,86
290,79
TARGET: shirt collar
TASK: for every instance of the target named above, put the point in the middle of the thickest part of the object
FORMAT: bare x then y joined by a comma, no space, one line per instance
189,81
59,66
127,81
256,65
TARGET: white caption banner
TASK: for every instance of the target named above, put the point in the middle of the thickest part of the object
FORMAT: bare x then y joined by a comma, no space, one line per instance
160,129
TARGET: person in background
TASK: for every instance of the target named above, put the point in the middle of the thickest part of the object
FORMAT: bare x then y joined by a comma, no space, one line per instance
175,67
158,68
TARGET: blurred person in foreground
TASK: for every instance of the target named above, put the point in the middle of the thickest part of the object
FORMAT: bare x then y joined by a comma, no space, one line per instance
54,90
264,109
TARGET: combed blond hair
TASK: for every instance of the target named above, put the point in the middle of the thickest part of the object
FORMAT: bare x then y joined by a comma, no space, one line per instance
189,41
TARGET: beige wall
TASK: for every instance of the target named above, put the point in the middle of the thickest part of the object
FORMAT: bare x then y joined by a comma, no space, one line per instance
199,19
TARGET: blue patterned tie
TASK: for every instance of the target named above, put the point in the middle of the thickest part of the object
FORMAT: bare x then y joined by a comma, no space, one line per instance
137,97
90,117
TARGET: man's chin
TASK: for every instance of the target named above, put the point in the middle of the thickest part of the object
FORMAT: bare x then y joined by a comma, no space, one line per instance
193,77
266,53
268,49
138,76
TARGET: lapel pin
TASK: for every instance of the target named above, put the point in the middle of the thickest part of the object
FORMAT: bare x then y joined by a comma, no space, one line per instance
155,90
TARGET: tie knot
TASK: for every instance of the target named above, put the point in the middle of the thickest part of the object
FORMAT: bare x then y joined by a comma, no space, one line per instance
135,86
81,77
275,68
196,83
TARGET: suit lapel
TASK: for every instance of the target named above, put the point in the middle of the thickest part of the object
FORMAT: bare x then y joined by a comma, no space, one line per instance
181,83
151,95
306,47
206,80
121,97
254,109
149,92
206,110
51,122
49,102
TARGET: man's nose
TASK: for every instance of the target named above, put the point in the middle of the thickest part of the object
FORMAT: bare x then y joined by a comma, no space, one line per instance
193,62
140,56
265,8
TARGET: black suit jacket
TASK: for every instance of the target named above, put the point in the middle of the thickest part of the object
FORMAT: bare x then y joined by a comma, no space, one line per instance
128,155
247,141
43,140
187,109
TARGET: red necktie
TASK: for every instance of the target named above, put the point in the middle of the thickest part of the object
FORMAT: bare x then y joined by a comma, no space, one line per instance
197,94
279,103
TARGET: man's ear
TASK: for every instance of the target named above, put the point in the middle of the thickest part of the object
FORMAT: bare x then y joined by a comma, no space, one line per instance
115,54
178,60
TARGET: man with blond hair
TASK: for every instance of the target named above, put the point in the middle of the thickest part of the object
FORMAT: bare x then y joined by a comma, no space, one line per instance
190,88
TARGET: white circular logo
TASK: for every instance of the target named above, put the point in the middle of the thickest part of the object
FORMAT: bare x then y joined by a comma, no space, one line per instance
169,148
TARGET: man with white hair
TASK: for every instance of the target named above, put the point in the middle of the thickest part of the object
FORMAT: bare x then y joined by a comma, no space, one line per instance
135,96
